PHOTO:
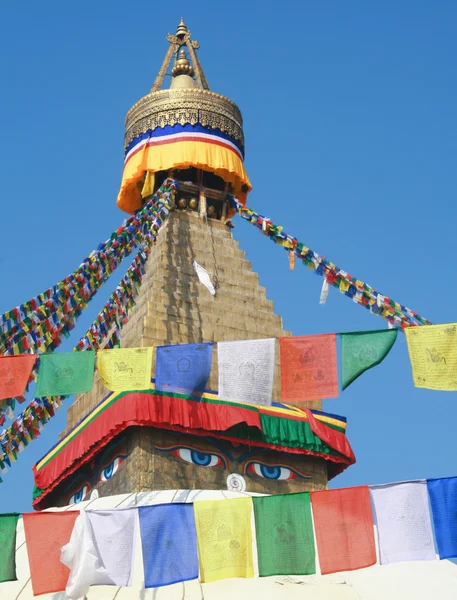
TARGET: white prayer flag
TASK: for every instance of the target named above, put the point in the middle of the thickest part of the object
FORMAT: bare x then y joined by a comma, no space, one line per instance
100,550
324,292
204,277
246,371
403,520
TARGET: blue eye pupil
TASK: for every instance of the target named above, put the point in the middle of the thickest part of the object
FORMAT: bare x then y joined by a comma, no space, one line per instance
79,496
200,458
270,472
108,471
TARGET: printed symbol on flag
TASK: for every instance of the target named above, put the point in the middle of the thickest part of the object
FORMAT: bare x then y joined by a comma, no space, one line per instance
183,365
450,330
285,533
319,376
308,357
434,356
123,367
247,369
63,373
368,353
234,544
224,532
297,377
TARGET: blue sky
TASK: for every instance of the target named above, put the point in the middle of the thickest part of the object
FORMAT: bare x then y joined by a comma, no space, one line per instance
351,145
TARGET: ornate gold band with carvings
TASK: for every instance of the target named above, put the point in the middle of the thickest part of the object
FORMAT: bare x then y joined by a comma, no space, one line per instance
187,106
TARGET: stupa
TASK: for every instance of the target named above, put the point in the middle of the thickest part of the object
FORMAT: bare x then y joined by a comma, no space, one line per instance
146,441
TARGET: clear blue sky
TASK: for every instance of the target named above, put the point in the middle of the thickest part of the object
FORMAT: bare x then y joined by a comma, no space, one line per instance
351,130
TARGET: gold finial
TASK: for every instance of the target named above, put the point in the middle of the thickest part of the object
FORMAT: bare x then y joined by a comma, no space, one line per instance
182,66
182,29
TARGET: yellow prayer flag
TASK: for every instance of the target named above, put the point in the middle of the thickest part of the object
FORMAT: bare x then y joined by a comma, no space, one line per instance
224,538
433,354
125,368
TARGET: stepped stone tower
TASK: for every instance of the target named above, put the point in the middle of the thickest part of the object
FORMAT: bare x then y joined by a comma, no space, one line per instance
195,136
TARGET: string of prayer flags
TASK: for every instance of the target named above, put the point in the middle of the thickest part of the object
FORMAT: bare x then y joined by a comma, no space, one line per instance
403,520
125,368
443,500
65,373
284,532
433,353
246,370
204,277
8,523
169,542
343,524
45,534
224,538
100,550
363,350
184,368
15,372
308,368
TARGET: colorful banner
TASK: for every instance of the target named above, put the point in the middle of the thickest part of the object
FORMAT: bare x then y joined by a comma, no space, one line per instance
224,538
284,535
308,368
125,368
183,369
169,542
15,373
363,350
246,370
433,354
65,373
8,523
443,500
403,521
343,524
45,534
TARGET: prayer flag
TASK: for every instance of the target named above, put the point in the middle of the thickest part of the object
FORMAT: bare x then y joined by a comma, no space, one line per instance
183,369
45,534
362,350
443,498
15,373
284,532
65,373
204,278
8,523
403,521
308,368
100,551
246,371
224,538
125,369
169,543
433,354
343,523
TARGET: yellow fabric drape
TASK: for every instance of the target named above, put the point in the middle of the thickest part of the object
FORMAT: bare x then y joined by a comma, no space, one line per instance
224,538
179,155
125,368
433,354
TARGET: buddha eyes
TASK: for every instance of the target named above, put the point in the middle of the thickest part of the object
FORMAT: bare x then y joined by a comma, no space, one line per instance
111,469
274,472
79,496
198,457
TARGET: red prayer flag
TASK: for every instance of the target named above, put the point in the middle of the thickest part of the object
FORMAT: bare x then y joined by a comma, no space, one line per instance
15,373
45,534
343,523
308,368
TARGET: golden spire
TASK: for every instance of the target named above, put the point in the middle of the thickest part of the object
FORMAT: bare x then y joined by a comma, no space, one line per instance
182,66
182,29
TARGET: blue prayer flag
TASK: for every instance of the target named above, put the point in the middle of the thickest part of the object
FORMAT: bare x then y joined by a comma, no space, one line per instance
169,542
443,499
183,369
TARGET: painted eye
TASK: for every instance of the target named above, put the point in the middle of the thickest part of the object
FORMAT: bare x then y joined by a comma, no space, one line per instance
275,472
79,495
111,469
197,457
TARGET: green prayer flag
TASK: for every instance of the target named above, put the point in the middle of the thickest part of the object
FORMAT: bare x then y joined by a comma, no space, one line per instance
8,547
284,531
65,373
362,350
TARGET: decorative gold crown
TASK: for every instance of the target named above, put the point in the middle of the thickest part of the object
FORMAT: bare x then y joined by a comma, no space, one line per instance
189,99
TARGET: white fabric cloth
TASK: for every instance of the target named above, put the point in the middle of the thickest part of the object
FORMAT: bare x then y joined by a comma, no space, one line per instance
246,371
100,550
404,522
324,292
204,277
